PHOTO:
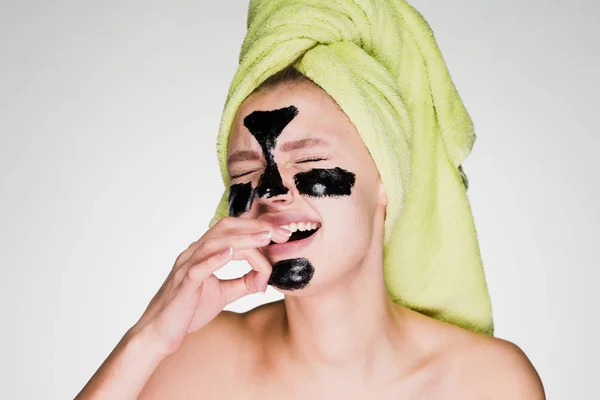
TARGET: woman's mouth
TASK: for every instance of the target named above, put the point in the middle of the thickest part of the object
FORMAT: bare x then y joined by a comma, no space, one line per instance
302,235
300,230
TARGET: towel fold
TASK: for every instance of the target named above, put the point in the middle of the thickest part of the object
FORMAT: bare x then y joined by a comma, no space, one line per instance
378,59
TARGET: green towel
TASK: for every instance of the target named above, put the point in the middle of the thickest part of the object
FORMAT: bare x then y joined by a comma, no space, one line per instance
378,59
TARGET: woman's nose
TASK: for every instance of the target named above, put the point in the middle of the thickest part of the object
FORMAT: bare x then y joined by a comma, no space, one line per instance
277,201
271,185
271,189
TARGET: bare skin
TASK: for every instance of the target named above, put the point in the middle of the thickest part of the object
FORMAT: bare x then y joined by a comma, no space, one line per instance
245,356
339,337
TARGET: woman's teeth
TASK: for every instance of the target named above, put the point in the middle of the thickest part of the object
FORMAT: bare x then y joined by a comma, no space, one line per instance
300,226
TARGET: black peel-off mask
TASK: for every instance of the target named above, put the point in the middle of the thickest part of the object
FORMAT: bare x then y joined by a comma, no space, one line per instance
332,182
266,127
291,274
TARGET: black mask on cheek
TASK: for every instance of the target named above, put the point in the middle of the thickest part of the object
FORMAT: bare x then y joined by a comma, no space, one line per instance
332,182
265,126
240,199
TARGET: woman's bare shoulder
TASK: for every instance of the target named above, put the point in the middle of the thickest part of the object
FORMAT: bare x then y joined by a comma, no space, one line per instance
490,367
477,365
214,354
495,368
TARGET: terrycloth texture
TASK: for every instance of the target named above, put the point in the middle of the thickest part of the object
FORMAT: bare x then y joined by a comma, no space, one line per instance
380,62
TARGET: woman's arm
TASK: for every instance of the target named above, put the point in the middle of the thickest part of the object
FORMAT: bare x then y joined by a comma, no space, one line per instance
126,370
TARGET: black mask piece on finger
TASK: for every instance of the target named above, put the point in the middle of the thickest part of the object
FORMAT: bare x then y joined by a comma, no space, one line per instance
291,274
265,126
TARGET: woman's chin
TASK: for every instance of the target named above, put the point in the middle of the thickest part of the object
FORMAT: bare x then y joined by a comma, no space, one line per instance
291,274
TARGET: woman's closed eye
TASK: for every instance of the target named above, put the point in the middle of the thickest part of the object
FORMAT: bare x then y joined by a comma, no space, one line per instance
311,159
300,161
243,174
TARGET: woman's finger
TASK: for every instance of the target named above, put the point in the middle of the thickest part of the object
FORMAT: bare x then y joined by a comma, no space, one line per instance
258,262
232,289
229,225
255,259
252,282
199,272
242,239
214,246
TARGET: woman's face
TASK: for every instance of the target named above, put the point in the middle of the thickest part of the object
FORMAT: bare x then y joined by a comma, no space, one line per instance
295,160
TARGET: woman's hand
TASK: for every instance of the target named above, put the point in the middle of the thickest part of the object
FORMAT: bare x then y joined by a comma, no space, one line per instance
192,296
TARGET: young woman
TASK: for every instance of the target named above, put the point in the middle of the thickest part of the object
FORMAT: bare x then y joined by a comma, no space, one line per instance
307,209
336,334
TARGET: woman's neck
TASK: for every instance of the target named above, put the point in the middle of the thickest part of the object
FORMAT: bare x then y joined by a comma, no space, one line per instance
353,325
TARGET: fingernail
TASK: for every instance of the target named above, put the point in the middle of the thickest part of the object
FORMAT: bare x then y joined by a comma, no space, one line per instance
227,253
263,235
283,231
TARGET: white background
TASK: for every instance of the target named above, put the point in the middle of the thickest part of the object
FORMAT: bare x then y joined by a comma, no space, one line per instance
109,112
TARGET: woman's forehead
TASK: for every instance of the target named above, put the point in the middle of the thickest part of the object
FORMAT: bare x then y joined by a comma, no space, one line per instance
319,120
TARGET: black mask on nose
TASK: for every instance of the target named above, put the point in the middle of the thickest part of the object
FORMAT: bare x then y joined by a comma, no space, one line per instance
265,126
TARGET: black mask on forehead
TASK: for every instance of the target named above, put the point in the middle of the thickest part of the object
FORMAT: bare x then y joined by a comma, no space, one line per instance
266,126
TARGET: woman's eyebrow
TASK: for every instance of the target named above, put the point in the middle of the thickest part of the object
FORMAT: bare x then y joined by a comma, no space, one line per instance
243,155
302,144
252,155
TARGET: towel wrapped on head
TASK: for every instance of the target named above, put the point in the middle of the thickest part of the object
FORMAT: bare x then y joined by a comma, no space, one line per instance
378,59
